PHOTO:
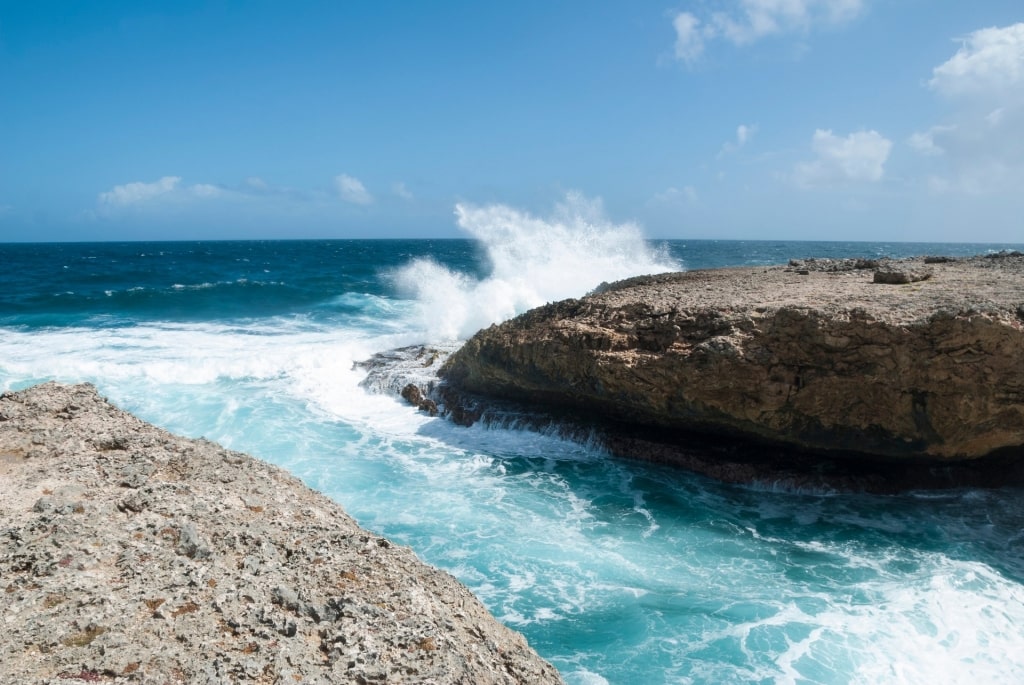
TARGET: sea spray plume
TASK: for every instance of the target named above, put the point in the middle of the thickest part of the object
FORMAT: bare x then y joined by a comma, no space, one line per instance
533,260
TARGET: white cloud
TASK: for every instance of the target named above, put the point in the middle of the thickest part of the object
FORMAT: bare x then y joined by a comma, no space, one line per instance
980,154
256,188
860,156
170,193
399,189
138,192
206,190
990,61
167,190
750,20
925,142
980,148
744,134
760,18
689,39
351,189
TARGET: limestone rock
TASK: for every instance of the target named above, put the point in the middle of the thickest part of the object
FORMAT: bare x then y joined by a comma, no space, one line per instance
826,361
128,554
893,276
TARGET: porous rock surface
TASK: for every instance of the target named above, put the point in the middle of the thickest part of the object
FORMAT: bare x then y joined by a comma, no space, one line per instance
923,363
128,554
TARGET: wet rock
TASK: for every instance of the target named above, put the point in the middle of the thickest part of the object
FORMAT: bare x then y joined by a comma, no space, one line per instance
414,396
390,372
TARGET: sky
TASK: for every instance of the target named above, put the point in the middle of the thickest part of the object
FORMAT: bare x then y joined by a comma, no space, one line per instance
893,120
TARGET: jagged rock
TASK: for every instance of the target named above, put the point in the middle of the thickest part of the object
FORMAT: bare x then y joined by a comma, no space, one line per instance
393,370
805,266
151,558
825,362
415,396
894,276
190,544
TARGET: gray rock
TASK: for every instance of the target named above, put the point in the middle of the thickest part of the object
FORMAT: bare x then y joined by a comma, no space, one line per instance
895,276
156,569
190,544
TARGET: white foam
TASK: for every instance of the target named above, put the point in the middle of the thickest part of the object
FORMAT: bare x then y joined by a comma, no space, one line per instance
584,677
533,261
951,621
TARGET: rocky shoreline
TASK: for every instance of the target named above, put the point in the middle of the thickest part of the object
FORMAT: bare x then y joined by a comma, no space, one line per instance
852,374
128,554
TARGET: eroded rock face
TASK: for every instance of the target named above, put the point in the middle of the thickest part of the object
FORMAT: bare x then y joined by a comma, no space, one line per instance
818,358
128,554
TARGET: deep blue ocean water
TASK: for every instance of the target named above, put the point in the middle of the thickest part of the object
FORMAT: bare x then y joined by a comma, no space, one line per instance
615,571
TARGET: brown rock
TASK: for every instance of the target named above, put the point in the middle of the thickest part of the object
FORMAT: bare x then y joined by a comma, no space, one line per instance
824,361
415,396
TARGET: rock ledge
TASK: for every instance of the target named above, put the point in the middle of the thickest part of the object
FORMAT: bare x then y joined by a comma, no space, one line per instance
921,365
128,554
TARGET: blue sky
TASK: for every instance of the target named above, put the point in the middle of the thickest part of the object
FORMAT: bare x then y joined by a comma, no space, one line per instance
773,119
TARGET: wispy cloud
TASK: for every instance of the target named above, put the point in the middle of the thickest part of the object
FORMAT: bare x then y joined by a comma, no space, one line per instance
138,192
858,157
689,37
171,193
687,195
980,148
744,134
351,189
167,190
399,189
747,21
924,141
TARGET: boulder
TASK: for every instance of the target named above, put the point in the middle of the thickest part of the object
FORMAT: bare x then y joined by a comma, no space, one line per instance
893,276
414,395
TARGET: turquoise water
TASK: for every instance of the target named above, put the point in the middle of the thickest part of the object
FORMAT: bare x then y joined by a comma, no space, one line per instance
615,571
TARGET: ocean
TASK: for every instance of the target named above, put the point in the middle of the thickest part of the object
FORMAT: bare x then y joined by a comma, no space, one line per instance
616,572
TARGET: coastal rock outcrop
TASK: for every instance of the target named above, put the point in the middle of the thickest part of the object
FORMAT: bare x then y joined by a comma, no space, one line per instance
128,554
820,356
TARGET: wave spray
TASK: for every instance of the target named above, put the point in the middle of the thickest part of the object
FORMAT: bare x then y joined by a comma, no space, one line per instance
533,260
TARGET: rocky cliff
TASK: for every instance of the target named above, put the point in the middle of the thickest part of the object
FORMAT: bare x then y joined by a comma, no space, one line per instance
128,554
918,360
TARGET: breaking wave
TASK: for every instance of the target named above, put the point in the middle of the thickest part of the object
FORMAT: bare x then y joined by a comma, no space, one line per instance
533,260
